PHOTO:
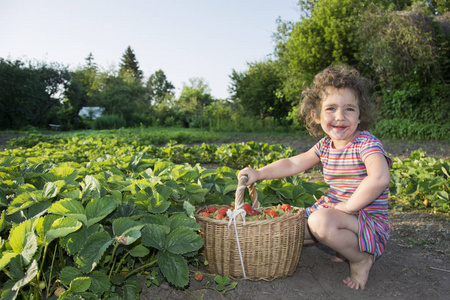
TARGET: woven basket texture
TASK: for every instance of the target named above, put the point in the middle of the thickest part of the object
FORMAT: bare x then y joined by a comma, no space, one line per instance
270,248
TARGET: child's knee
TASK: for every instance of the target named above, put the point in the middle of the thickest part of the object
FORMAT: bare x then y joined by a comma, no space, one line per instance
321,222
316,222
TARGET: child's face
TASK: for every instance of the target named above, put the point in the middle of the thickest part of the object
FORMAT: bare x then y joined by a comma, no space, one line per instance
339,116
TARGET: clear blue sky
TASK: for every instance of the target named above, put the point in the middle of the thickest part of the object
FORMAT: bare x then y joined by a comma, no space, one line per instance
184,38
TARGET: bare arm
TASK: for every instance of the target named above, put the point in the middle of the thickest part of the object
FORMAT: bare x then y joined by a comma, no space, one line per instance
378,178
282,168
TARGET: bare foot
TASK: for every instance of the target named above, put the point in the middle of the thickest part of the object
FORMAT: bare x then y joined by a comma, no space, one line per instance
359,273
338,258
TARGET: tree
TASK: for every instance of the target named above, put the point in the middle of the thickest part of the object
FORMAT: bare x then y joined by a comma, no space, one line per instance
129,65
121,97
196,95
258,91
407,53
159,88
30,92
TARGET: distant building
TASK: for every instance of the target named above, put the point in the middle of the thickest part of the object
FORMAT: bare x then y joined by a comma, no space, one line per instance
91,112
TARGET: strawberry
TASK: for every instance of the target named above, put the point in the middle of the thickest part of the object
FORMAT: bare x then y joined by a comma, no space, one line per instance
198,276
271,213
205,214
255,213
218,216
212,209
223,211
59,291
286,207
248,209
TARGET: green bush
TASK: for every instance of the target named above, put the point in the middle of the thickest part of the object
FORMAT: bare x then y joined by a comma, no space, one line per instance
403,129
109,122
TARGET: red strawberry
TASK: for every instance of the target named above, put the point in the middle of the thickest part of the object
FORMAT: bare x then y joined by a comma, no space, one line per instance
223,211
286,207
256,213
198,276
218,216
248,209
212,209
205,214
271,213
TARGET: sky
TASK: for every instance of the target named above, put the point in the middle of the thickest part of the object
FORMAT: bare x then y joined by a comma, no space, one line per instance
185,39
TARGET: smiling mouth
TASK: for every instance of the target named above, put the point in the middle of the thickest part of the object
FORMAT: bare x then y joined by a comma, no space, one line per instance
340,127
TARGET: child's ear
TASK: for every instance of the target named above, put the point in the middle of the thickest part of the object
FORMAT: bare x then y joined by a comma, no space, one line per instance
315,116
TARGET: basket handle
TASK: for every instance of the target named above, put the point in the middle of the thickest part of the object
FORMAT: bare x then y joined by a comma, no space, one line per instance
239,200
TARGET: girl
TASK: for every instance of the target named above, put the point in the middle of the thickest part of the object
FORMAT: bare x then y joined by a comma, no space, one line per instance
352,218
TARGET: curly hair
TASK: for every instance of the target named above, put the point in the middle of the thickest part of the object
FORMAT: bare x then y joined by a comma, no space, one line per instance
338,77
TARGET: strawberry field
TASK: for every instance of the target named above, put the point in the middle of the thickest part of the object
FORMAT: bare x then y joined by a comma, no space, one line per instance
88,214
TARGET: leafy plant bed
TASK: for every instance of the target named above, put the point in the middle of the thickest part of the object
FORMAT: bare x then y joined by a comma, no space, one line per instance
89,218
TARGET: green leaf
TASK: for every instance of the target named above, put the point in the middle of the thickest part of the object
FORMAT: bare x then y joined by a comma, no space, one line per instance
29,248
8,293
31,273
50,190
131,289
161,167
3,221
153,236
61,173
230,187
17,268
44,224
69,208
80,284
18,234
75,241
183,240
126,230
100,282
68,274
161,219
99,208
24,201
189,208
62,227
181,220
139,251
174,268
6,258
92,188
158,203
92,251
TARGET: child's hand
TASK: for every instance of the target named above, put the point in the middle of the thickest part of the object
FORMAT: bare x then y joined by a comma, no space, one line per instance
342,206
252,175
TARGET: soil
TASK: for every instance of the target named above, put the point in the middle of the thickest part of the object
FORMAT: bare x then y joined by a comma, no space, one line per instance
415,264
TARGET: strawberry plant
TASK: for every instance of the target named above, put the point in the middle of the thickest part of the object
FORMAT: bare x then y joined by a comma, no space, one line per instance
420,182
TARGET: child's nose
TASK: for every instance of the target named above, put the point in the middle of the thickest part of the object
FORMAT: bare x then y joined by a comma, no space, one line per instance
339,114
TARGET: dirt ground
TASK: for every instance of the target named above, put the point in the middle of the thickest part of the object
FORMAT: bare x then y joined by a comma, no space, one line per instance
415,264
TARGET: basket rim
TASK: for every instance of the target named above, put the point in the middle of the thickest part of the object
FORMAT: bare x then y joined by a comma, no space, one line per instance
300,211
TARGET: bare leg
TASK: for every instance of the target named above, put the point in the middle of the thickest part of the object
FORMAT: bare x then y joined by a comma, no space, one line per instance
338,231
338,258
309,238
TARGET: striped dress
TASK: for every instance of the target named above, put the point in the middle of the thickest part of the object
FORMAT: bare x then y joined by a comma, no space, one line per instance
343,171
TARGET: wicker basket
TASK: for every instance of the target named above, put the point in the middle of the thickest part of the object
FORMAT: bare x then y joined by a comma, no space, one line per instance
270,248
